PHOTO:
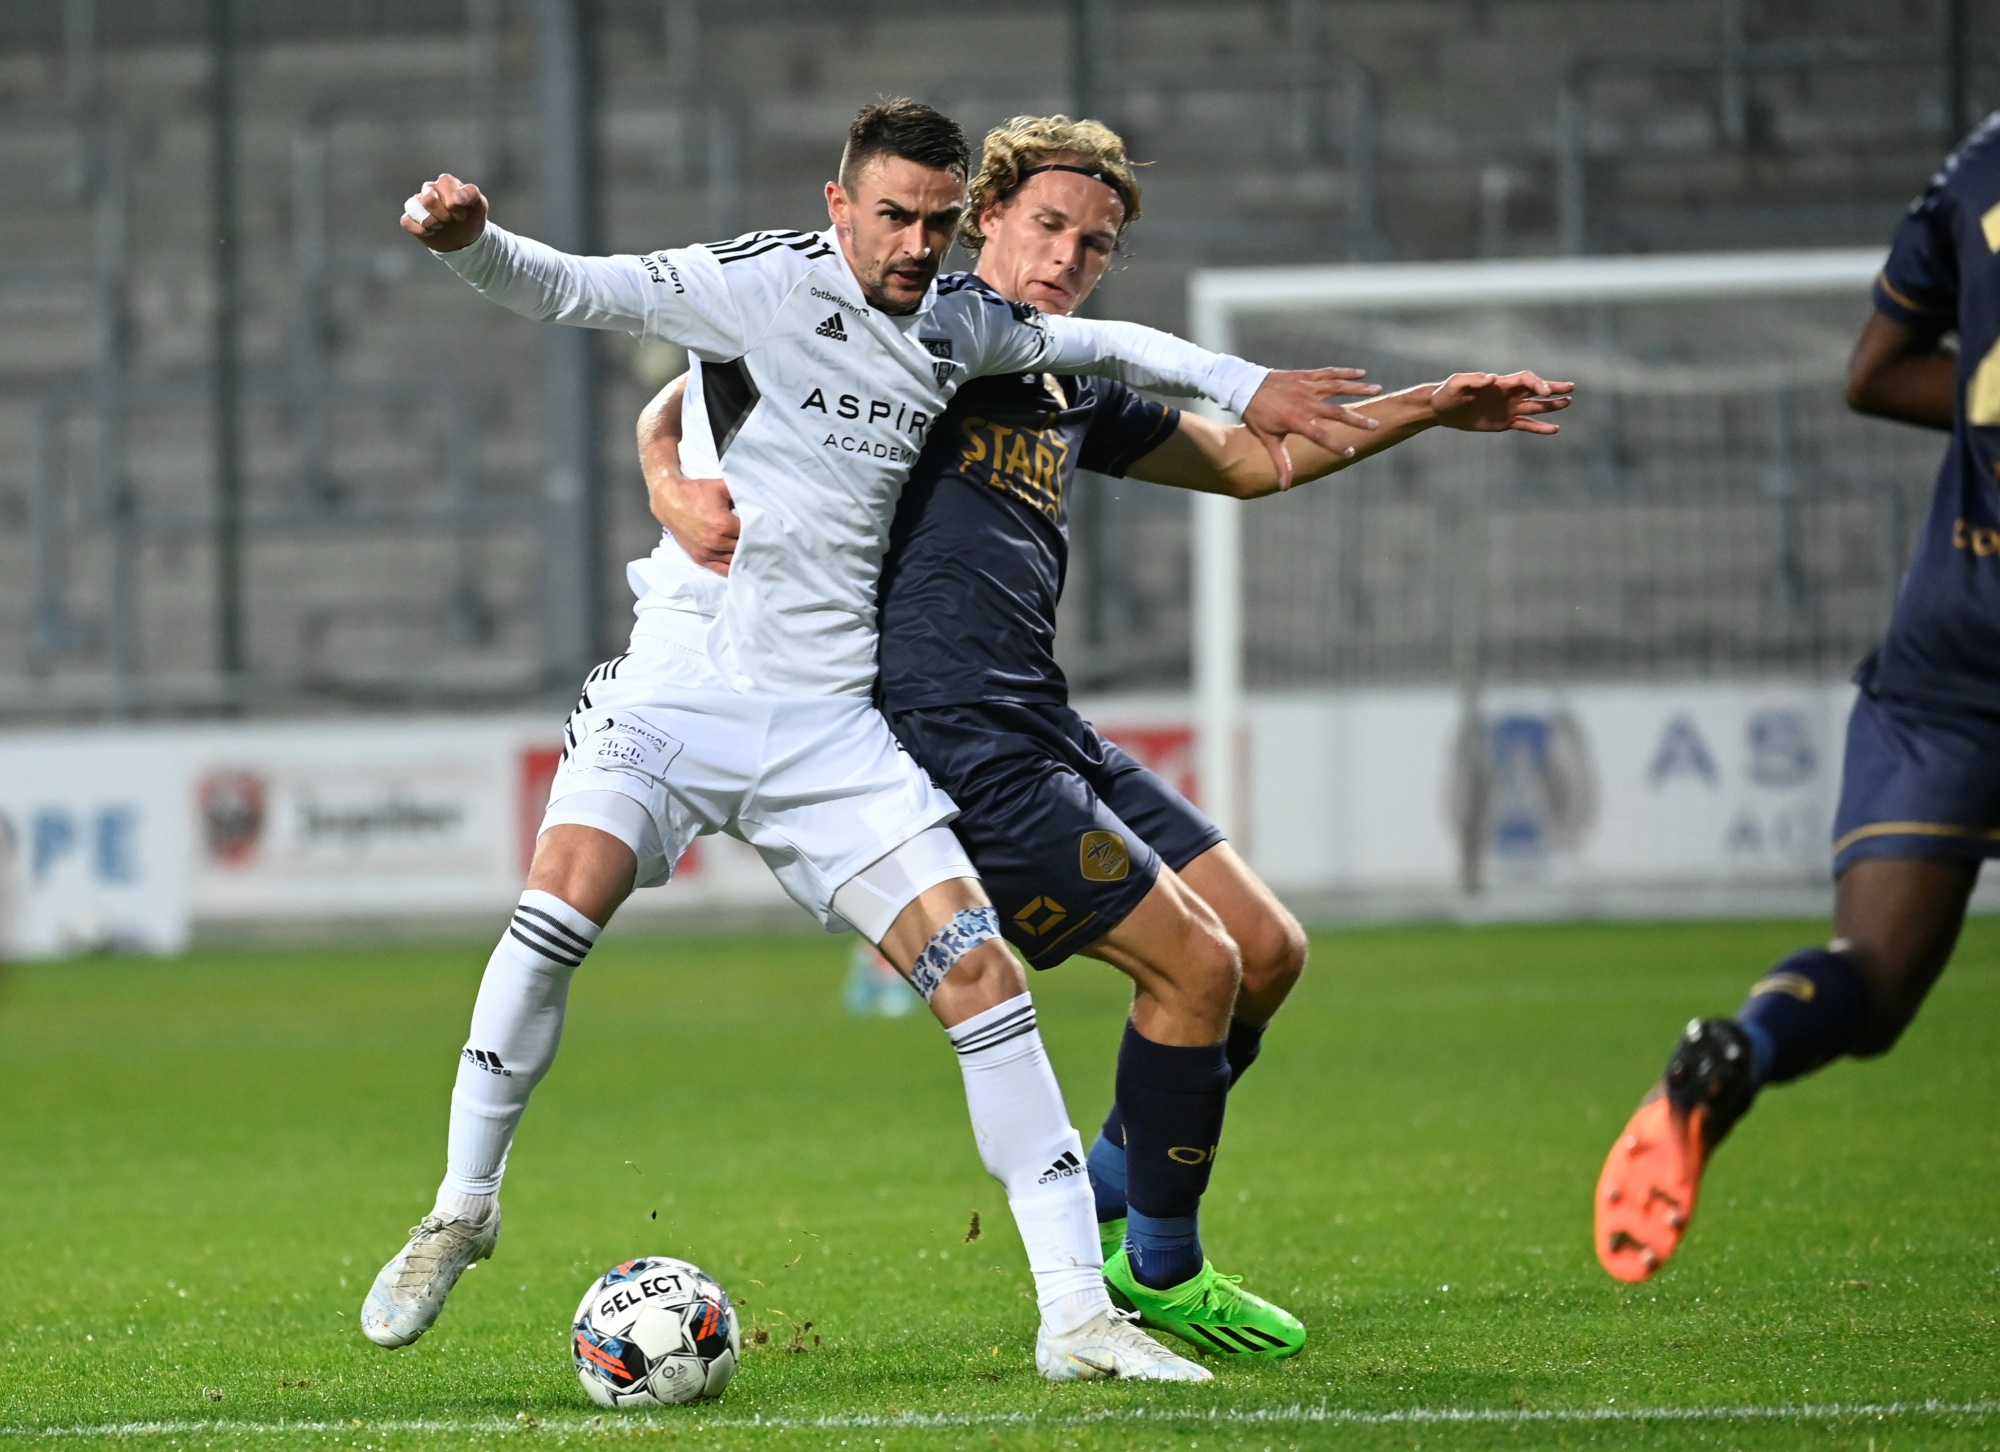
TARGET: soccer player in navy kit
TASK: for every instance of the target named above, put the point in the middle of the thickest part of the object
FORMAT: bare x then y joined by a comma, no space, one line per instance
1083,849
1920,787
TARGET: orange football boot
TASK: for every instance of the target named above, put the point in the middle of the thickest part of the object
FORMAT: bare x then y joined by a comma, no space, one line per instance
1646,1194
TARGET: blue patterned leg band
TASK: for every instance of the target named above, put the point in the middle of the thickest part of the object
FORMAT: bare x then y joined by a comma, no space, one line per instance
968,928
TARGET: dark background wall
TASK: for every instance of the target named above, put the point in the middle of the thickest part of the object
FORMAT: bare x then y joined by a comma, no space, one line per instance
401,541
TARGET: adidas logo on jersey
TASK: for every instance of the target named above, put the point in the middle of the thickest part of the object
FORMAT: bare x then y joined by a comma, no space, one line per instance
1062,1169
833,328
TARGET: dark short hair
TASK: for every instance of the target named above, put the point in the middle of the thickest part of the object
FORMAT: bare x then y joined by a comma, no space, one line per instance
898,126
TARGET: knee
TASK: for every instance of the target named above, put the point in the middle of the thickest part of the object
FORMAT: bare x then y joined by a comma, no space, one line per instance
1894,982
589,869
1273,949
984,978
1211,969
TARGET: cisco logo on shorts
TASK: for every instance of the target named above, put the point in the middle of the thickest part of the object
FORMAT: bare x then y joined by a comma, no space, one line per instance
622,743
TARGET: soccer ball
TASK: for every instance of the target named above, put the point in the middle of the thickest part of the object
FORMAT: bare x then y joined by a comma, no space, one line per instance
655,1330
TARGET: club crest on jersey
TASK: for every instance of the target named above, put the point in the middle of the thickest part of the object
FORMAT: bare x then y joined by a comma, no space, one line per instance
940,350
833,328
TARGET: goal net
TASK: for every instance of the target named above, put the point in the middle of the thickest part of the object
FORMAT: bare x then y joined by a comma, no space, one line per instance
1710,508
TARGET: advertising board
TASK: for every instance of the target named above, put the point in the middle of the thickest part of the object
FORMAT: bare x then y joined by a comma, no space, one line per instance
1552,801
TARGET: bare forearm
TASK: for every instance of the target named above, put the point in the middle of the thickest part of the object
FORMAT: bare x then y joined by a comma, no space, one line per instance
1398,416
1914,390
659,437
698,513
1901,373
1216,459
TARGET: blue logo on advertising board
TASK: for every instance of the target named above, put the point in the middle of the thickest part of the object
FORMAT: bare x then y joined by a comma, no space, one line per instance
1529,777
110,835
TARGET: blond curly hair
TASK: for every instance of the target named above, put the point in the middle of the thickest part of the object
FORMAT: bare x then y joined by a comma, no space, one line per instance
1016,147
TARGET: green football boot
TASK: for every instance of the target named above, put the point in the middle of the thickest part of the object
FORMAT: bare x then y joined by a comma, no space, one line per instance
1111,1235
1211,1310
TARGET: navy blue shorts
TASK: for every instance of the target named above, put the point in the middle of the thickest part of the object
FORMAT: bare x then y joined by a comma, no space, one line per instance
1917,782
1067,831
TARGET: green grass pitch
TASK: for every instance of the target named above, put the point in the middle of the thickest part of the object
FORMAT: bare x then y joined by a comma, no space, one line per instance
202,1163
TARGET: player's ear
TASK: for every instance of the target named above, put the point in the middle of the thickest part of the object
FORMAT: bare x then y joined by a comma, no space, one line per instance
837,204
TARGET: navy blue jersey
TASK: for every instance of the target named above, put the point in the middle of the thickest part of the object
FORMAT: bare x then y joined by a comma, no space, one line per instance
1943,275
980,543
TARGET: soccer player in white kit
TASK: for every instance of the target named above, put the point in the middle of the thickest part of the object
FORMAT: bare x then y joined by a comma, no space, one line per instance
744,704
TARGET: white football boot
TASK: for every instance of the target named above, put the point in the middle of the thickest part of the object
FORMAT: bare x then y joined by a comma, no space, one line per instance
409,1293
1111,1344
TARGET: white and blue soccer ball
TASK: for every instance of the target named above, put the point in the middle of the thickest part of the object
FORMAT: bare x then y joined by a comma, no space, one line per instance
655,1330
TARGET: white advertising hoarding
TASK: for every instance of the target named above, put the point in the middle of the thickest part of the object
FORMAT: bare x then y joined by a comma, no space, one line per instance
370,818
1577,795
94,845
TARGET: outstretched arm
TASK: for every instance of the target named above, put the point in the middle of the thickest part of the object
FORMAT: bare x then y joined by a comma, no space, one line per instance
1216,459
1272,404
1012,338
1899,373
699,513
678,296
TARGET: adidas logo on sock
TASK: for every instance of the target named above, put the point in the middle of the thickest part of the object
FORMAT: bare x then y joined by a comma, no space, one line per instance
486,1059
1062,1169
833,328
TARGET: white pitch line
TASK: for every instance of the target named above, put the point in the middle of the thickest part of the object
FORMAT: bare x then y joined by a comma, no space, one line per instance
1316,1414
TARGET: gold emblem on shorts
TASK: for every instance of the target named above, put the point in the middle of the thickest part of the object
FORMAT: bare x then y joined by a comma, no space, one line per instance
1040,916
1102,857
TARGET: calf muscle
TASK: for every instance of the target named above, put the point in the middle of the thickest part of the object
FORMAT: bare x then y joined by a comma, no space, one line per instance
1182,962
1897,919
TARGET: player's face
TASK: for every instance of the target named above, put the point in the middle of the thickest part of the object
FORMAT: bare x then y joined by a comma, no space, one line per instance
895,226
1048,244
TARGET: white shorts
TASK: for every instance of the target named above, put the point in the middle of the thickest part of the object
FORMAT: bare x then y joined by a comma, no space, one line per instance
818,785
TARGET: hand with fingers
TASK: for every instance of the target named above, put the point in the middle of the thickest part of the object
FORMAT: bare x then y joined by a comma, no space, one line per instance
701,516
1302,402
445,215
1496,403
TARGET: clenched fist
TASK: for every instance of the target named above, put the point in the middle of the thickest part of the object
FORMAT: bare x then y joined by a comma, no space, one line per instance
455,214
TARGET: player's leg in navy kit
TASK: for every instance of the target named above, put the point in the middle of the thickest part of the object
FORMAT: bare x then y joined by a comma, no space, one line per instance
1920,788
1087,852
1919,810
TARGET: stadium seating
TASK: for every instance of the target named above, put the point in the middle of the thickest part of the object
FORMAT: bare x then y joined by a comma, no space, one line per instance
396,561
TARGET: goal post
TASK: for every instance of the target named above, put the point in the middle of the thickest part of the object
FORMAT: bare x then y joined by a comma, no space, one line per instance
1331,315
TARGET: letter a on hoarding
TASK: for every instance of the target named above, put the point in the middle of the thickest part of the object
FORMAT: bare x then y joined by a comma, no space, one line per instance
1682,752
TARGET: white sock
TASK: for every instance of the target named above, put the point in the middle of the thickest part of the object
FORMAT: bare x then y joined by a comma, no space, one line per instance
516,1025
1029,1146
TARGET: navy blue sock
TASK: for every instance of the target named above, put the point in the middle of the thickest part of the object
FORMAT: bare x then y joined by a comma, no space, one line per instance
1107,1154
1171,1100
1244,1044
1106,1163
1804,1013
1164,1249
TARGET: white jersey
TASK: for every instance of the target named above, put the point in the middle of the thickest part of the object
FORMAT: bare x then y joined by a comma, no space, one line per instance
813,404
